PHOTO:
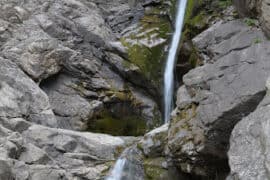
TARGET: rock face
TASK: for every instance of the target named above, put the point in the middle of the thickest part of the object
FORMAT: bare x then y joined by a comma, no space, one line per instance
64,69
253,8
30,151
153,144
72,50
217,95
249,145
247,7
69,66
21,97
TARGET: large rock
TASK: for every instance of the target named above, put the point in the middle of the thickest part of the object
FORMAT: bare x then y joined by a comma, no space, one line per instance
255,8
247,7
217,95
72,49
265,16
38,54
37,150
249,145
153,143
21,97
5,171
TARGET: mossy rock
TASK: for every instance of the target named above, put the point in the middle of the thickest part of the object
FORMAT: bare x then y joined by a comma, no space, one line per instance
198,17
118,125
155,170
146,43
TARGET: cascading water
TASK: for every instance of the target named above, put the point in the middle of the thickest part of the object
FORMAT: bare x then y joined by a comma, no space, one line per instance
169,70
123,162
128,166
116,173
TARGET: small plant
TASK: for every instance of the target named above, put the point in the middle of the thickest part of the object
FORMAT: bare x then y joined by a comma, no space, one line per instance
250,22
224,3
257,40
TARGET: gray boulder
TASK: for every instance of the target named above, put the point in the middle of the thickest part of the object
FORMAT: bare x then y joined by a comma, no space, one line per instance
72,50
256,9
247,7
39,152
249,145
217,95
153,143
5,171
21,97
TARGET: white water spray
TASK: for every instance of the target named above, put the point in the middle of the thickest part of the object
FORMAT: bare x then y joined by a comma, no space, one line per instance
169,70
116,173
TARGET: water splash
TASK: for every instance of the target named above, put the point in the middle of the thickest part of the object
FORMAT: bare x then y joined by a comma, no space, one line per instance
128,166
169,70
116,173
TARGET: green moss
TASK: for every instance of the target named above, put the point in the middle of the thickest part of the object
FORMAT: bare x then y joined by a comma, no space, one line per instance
181,121
194,59
195,19
191,7
149,60
189,112
154,26
154,170
224,3
121,96
199,14
250,22
109,123
257,41
123,115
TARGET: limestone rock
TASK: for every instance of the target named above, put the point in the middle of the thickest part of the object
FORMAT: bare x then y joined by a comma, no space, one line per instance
265,16
255,8
220,94
66,154
153,144
249,144
247,7
73,51
21,97
5,171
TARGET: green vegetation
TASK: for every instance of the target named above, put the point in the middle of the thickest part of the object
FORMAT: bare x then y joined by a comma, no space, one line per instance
149,60
110,123
199,14
146,44
250,22
123,117
224,3
257,41
154,170
194,59
155,25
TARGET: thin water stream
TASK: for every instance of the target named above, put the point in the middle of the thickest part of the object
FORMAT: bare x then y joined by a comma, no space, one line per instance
171,60
118,170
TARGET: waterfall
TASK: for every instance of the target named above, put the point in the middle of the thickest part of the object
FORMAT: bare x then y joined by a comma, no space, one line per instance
169,70
124,163
116,173
128,166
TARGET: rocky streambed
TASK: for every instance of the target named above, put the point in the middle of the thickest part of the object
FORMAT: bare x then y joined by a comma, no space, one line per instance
75,72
